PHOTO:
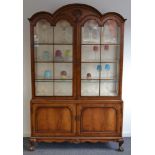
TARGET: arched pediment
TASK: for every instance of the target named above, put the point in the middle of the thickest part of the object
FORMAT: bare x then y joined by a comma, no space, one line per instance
74,13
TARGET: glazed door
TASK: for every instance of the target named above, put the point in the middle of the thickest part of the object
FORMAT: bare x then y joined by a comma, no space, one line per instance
100,59
53,70
53,119
99,119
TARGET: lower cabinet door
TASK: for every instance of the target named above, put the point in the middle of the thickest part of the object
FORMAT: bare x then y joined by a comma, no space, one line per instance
99,119
53,119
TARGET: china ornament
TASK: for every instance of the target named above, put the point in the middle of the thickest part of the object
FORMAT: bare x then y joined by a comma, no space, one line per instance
63,74
47,74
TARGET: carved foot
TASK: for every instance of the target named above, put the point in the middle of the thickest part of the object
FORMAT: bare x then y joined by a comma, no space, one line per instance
31,148
32,144
120,143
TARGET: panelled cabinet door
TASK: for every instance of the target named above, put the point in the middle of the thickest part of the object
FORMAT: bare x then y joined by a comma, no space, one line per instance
53,54
99,119
53,119
100,56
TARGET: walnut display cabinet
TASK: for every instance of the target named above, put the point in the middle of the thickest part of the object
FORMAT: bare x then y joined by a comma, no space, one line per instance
76,66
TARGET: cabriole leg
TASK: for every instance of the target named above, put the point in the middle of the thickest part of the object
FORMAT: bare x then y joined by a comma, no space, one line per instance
120,143
32,144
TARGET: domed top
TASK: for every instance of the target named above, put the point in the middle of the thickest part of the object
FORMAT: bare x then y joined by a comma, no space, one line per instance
75,12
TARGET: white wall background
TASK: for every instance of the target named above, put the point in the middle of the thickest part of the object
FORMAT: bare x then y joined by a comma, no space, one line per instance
32,6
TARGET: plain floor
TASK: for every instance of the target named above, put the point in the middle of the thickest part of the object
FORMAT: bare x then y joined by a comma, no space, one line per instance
78,149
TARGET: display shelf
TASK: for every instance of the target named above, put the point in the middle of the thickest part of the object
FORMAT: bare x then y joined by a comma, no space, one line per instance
102,44
42,44
100,61
54,62
101,79
44,61
51,79
52,44
77,62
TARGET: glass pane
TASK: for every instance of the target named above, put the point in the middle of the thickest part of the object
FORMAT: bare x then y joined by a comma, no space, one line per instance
43,32
63,53
63,70
90,70
63,88
110,52
91,33
109,71
44,53
63,32
108,88
44,88
89,87
110,32
90,53
44,70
